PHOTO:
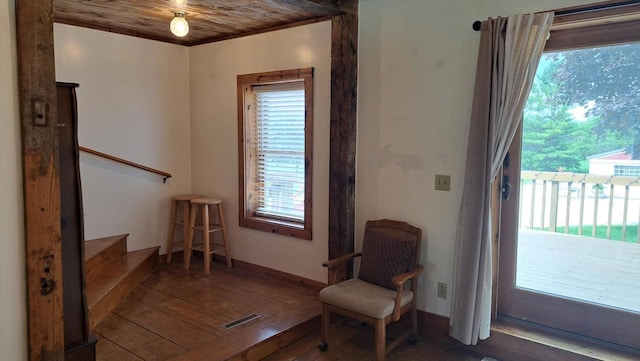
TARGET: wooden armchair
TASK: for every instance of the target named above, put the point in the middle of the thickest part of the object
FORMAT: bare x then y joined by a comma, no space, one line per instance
389,259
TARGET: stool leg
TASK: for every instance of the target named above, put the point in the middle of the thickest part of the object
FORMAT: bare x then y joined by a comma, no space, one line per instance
172,230
186,209
189,242
205,236
224,236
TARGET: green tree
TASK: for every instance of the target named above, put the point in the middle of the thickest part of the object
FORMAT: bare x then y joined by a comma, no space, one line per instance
609,77
553,140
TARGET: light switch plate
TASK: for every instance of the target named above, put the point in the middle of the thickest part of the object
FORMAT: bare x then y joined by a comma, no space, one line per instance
40,111
443,182
442,290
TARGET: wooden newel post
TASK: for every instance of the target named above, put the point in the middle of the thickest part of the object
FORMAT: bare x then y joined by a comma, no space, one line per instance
38,117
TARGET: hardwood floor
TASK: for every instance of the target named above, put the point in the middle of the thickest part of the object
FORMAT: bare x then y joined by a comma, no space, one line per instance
178,315
354,342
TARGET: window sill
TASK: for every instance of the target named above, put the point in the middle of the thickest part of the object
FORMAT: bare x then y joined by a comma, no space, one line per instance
280,227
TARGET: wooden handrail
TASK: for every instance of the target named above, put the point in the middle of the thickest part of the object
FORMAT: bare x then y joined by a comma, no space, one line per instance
164,175
573,187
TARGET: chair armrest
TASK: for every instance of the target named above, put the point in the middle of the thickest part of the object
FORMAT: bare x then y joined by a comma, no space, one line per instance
336,271
340,260
399,281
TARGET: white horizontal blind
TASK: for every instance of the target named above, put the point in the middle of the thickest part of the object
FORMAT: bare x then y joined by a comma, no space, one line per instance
280,124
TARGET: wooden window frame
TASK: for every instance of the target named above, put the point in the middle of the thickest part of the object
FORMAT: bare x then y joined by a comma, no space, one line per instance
597,27
247,216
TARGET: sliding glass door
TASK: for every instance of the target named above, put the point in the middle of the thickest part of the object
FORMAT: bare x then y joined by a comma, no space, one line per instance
570,251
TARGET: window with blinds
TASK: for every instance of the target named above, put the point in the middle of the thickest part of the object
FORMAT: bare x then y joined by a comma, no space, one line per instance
275,126
280,142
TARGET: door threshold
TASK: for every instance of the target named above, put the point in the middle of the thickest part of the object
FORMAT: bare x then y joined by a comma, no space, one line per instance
517,340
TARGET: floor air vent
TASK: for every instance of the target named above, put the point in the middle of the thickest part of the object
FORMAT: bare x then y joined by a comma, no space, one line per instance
240,321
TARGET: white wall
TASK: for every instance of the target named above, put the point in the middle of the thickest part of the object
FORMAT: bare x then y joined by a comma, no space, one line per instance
13,310
214,135
133,103
416,76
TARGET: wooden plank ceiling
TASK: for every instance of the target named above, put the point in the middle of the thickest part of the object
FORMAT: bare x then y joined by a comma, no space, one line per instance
209,20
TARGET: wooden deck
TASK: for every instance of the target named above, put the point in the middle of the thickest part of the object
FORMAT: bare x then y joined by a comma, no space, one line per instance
591,269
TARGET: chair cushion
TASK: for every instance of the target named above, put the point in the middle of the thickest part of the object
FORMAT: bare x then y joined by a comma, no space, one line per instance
364,298
386,253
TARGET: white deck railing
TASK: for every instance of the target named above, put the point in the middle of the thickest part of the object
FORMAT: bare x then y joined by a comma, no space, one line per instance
553,200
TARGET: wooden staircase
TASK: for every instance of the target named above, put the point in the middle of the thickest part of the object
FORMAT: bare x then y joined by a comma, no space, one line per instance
111,273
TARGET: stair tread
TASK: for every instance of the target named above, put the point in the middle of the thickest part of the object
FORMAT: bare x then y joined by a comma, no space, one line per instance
94,247
108,275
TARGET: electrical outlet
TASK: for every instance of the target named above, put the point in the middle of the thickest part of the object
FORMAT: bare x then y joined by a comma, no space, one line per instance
442,290
443,182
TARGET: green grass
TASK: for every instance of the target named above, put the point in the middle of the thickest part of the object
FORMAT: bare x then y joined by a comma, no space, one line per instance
601,232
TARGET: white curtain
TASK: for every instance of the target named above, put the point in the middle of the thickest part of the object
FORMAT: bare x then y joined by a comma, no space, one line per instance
510,49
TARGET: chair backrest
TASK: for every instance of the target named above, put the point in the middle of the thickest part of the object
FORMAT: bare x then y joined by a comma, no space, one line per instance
389,248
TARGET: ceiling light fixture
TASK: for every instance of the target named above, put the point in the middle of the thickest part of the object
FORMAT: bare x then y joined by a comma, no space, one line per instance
179,25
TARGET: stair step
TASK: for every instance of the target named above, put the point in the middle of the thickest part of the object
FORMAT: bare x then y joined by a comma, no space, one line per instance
112,281
99,251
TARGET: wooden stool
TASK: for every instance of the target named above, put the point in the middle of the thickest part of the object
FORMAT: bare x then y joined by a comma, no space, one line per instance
207,247
184,222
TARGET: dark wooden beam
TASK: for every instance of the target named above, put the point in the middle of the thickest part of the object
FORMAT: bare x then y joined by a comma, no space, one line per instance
38,117
337,6
215,38
342,168
119,30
